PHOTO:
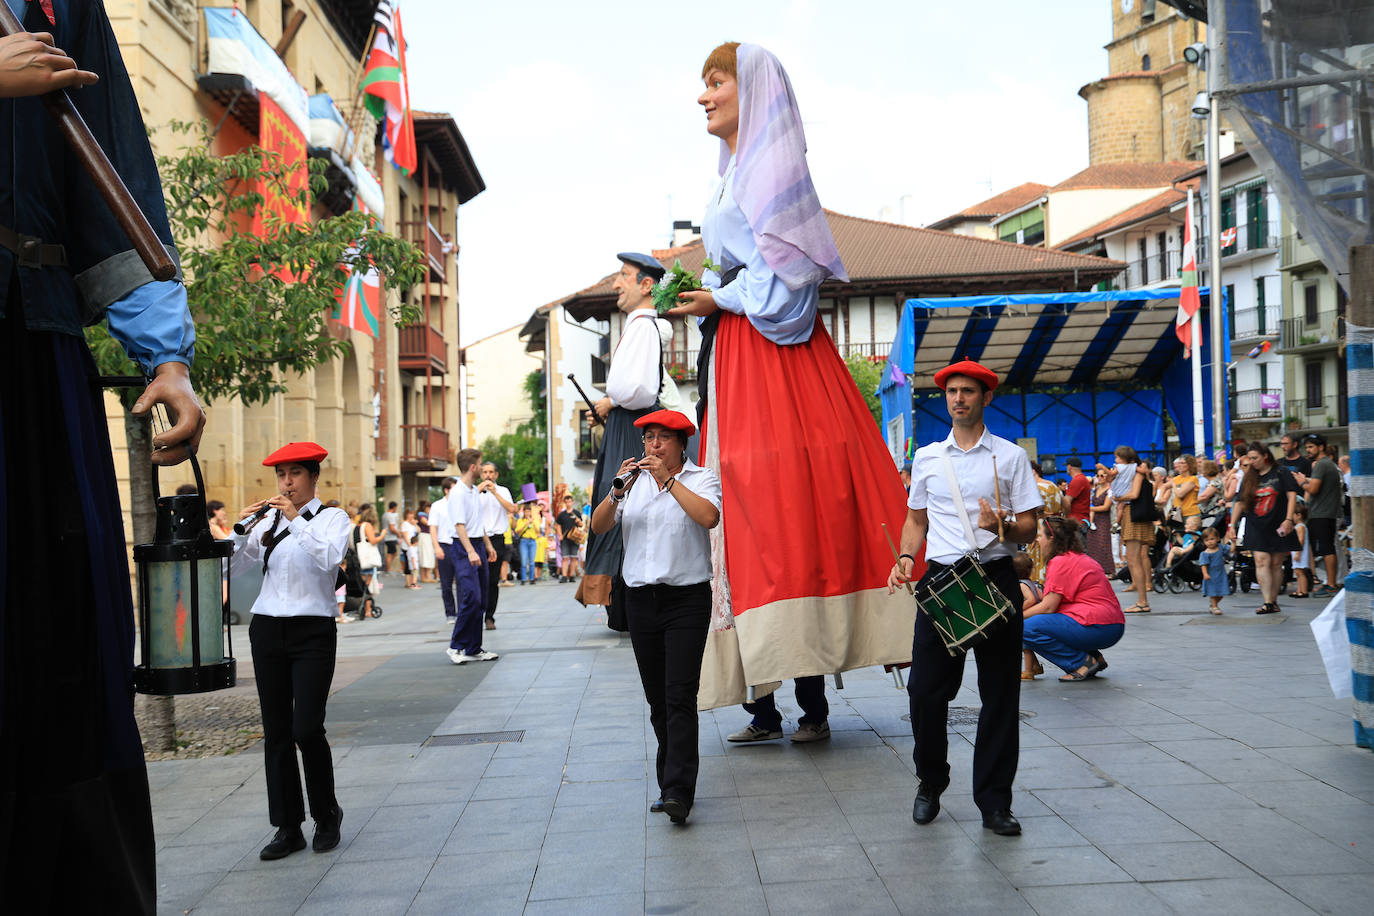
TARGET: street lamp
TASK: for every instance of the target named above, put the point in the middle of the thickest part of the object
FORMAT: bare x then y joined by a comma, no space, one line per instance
182,613
1202,107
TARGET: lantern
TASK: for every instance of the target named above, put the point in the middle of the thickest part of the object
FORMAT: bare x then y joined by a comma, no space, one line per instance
182,611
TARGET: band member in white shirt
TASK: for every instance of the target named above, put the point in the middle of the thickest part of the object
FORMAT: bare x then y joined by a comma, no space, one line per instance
299,546
993,477
494,502
441,534
665,509
633,383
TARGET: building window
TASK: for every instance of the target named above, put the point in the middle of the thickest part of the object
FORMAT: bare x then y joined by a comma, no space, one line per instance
1229,291
1228,221
1314,373
1259,307
1147,11
1032,234
1145,62
1256,216
1309,303
1162,252
1144,261
1264,376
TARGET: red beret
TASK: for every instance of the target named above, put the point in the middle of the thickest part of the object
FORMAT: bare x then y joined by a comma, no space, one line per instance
668,419
971,369
295,453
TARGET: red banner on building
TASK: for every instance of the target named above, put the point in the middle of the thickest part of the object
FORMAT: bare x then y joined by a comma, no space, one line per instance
278,134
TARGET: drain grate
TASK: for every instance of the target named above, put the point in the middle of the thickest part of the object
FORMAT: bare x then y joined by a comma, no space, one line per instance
475,738
968,715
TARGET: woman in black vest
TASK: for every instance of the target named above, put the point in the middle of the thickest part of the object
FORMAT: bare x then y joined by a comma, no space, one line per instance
298,544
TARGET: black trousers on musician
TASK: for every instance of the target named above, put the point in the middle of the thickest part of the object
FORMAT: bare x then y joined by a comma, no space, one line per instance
293,662
498,543
934,681
668,626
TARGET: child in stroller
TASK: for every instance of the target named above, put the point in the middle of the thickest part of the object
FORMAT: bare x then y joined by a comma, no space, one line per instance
358,601
1178,568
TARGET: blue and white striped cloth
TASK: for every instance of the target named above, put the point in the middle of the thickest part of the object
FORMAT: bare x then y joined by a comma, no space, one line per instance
1359,599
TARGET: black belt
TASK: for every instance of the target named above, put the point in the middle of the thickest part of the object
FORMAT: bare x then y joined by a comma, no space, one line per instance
32,251
708,341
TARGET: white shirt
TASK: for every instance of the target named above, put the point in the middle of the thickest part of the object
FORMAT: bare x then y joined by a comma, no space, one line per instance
632,381
495,521
662,545
946,540
463,509
304,564
390,519
408,533
439,522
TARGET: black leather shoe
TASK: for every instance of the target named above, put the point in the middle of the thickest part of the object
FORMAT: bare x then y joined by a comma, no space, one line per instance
287,841
676,809
1002,823
656,806
327,832
927,804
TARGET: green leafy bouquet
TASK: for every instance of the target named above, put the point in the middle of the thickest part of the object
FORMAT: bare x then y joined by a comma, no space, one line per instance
677,281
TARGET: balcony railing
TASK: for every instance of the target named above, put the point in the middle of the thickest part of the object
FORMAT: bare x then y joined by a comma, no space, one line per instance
1257,404
1255,322
1299,333
681,364
1317,413
421,347
423,448
1166,265
423,235
873,352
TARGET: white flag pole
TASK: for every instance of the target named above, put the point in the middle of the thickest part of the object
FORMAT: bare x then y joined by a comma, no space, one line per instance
1199,442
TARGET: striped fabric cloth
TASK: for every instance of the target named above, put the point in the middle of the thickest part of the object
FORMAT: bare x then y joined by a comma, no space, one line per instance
1359,600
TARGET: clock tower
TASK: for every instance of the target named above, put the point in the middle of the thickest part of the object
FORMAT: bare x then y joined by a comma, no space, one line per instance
1142,110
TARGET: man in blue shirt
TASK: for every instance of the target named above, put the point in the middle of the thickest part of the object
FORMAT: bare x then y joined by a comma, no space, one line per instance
76,829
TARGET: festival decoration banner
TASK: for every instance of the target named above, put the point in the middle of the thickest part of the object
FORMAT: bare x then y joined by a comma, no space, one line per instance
359,300
1189,300
279,134
386,88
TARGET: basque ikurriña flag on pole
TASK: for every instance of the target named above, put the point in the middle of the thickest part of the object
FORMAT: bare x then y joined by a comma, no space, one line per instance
359,300
386,89
1189,300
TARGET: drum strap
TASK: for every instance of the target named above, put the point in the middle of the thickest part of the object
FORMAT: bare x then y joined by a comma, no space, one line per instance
959,504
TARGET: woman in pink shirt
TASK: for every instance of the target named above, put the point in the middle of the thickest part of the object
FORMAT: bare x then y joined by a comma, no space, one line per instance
1079,615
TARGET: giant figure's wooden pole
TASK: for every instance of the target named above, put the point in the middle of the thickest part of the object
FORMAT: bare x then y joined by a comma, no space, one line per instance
97,165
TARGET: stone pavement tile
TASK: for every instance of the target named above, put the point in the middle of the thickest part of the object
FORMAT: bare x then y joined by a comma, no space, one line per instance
578,818
435,791
1110,756
822,859
1218,824
895,823
282,893
495,834
1240,896
531,765
774,832
1181,731
1255,731
1246,769
178,893
1093,801
962,808
1082,735
696,839
1172,773
201,858
1057,768
757,781
1206,796
222,829
973,892
488,899
1163,861
629,904
368,888
924,855
787,803
606,770
708,900
596,842
703,868
377,845
1298,793
543,786
1036,831
1350,827
618,794
1146,826
1345,767
851,738
463,876
1292,852
1331,893
852,896
606,750
587,877
1034,737
1031,866
427,818
1094,899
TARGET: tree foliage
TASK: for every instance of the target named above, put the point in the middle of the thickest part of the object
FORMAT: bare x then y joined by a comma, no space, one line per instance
261,302
867,375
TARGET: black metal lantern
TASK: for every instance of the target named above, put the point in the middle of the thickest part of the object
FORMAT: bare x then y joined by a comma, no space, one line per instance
184,637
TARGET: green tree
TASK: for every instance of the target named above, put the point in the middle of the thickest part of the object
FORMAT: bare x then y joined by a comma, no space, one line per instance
867,375
522,456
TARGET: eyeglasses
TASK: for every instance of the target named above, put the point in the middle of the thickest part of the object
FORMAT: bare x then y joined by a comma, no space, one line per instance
660,437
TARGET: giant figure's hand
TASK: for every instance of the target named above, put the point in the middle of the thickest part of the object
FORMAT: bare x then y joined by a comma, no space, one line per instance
698,302
171,387
30,65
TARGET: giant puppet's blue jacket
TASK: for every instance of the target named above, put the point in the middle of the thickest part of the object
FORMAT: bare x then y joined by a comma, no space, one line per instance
45,193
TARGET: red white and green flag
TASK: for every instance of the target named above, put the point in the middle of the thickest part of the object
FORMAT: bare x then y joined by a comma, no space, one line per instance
358,303
386,90
1189,299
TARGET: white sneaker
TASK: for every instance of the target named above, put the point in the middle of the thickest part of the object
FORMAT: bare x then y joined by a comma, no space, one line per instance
459,658
484,656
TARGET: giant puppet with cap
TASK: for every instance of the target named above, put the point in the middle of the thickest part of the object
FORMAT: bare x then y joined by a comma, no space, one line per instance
634,386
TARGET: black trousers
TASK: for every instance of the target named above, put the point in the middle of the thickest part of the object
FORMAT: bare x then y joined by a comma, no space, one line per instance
668,626
498,542
810,697
934,680
293,661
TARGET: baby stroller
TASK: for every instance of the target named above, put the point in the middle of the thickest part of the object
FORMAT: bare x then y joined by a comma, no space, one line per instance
358,602
1185,573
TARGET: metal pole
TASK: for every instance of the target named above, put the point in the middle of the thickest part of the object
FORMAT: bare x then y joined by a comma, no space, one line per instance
1216,26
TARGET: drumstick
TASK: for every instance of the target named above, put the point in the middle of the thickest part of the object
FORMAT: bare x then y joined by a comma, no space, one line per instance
896,560
997,494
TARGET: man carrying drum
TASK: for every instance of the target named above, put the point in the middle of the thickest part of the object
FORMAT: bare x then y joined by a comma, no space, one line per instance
997,492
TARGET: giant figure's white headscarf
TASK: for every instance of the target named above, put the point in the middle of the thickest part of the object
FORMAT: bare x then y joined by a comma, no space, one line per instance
772,182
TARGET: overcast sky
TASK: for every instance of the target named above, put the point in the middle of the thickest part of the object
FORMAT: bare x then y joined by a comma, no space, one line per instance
583,121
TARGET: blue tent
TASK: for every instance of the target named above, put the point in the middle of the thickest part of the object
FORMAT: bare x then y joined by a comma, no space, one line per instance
1081,372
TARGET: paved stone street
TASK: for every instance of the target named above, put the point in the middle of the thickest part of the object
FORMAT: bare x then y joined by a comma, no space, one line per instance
1209,770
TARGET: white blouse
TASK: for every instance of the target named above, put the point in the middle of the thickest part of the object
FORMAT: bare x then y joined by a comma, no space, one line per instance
303,566
782,315
663,546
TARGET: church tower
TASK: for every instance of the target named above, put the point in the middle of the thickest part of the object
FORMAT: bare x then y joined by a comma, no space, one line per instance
1142,110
